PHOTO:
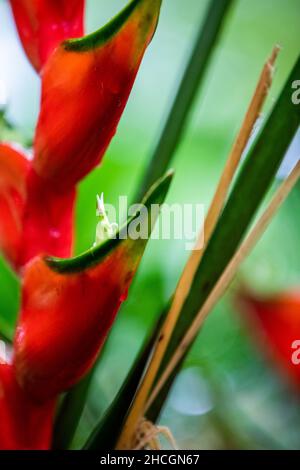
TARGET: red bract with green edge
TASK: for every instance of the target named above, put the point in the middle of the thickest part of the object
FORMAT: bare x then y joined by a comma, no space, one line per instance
85,87
44,24
86,84
276,320
68,306
24,424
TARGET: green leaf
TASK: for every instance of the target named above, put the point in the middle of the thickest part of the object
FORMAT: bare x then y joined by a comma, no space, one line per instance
9,301
206,40
252,184
106,434
70,413
6,331
71,409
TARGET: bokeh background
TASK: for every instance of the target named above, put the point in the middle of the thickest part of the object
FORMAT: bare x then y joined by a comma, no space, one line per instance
228,394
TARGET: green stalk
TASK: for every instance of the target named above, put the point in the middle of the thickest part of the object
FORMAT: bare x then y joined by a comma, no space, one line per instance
193,76
70,413
106,434
252,184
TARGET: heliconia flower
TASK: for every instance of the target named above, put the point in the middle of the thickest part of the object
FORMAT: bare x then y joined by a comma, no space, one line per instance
85,86
24,424
34,216
44,24
276,320
68,306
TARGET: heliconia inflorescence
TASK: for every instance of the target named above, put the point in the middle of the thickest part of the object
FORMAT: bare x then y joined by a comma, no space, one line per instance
276,319
68,304
86,83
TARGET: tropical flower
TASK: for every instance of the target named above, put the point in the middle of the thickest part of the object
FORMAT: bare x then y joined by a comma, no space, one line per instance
276,321
68,304
86,83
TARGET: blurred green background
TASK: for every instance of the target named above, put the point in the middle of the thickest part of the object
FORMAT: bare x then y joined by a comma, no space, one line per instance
228,395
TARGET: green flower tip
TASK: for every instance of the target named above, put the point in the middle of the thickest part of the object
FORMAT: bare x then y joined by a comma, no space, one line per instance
148,10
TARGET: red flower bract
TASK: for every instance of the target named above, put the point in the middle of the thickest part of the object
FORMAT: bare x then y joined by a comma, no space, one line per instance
44,24
277,319
14,168
85,87
86,84
34,217
48,220
24,424
64,320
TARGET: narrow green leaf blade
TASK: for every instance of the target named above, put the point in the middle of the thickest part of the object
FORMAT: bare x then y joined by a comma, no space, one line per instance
206,40
70,413
106,434
6,331
252,184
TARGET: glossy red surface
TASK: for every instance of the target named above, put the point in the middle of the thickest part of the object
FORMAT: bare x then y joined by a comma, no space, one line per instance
43,24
